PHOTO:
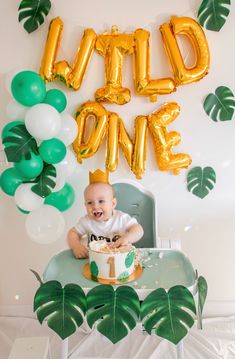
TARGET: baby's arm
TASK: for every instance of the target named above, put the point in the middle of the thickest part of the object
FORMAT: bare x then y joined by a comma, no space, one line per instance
74,242
133,235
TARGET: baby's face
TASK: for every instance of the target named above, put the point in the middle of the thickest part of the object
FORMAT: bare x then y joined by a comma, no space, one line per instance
99,201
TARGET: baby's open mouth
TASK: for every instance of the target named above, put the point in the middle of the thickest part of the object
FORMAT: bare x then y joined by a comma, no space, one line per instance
98,214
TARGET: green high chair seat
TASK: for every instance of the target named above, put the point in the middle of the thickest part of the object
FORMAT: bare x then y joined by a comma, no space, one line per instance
138,203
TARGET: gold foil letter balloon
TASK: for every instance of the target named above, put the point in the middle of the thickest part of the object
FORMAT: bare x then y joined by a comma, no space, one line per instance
139,155
190,28
143,84
51,49
113,47
112,141
165,140
86,112
134,151
72,76
111,125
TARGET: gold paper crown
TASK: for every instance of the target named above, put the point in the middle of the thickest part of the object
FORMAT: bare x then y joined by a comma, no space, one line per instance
98,176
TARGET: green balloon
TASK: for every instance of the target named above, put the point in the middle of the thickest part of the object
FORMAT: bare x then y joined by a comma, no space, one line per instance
30,168
52,151
28,88
62,199
10,180
22,210
6,129
57,99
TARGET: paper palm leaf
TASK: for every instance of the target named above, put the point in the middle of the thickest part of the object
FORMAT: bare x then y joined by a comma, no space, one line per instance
202,294
19,144
45,181
201,180
34,11
221,105
212,14
168,312
115,311
64,308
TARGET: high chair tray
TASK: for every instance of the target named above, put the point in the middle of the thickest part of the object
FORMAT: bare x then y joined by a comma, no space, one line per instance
162,268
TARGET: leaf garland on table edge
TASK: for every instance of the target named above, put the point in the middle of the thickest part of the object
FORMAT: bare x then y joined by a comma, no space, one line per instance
202,289
114,311
168,313
63,307
56,303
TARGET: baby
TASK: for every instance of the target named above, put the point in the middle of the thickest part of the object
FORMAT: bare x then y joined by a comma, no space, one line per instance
103,221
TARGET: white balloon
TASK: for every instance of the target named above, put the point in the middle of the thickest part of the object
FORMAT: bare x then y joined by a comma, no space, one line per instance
69,129
15,111
68,165
45,225
60,181
43,121
26,199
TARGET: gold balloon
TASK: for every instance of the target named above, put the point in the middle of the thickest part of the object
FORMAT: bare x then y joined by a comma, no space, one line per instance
71,76
111,125
82,59
112,142
126,144
139,155
143,84
190,28
135,151
87,111
62,71
51,49
113,47
165,140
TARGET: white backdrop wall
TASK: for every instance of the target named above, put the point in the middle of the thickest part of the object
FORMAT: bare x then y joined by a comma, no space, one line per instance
205,227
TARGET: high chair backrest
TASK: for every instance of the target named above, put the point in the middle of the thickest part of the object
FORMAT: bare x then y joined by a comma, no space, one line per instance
135,200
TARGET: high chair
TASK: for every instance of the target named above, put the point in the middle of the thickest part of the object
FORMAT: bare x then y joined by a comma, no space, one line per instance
173,267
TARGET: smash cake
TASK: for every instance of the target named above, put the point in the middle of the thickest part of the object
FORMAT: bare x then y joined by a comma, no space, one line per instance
111,263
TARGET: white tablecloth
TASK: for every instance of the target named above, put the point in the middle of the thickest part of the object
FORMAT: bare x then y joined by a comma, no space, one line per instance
216,340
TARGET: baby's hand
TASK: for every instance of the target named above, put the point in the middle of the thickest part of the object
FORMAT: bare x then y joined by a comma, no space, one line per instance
80,251
122,241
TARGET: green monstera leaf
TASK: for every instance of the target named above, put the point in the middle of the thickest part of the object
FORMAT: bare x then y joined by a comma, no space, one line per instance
168,313
123,276
201,180
220,106
94,269
212,14
45,182
34,11
64,308
114,311
129,259
19,144
202,294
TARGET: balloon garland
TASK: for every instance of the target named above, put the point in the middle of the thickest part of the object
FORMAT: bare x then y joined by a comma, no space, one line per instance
36,144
